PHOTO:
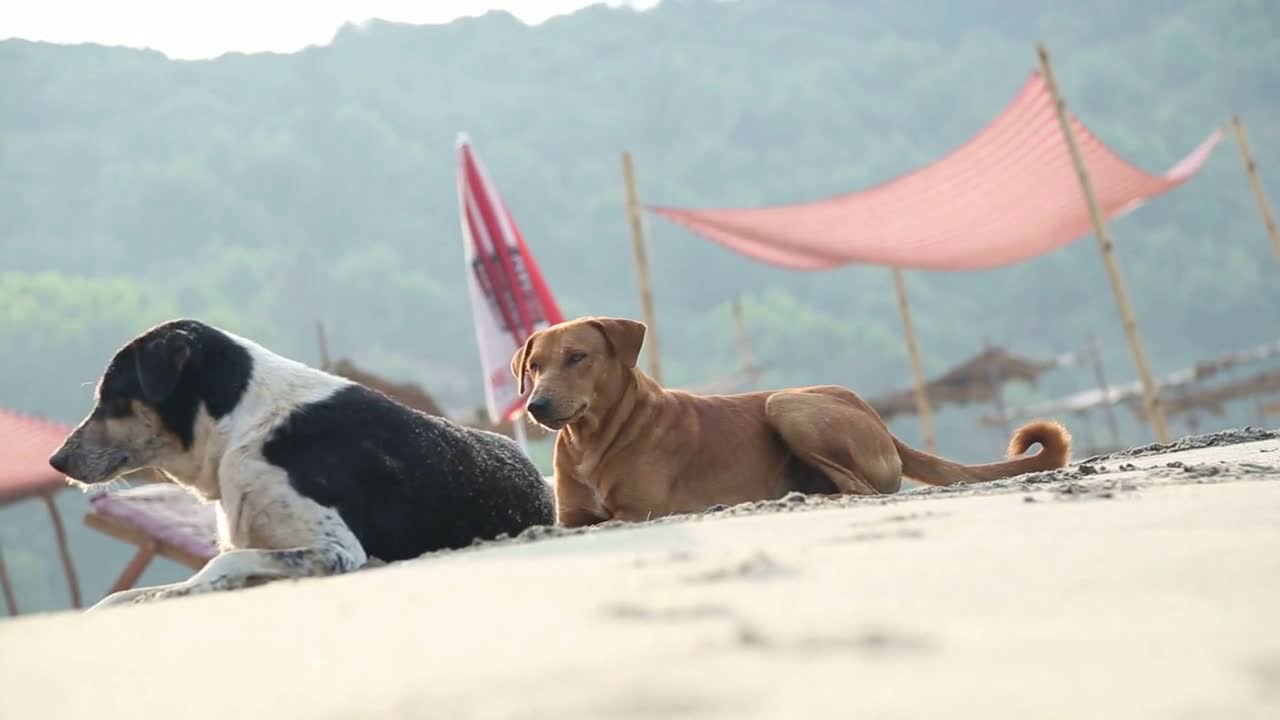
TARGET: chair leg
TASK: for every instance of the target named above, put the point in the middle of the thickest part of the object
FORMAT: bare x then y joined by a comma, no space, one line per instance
137,565
6,587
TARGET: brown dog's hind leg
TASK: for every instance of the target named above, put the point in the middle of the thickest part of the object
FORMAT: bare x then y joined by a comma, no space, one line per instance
851,447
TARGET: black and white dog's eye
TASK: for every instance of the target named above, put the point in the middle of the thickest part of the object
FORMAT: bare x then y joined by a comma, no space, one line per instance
119,407
576,358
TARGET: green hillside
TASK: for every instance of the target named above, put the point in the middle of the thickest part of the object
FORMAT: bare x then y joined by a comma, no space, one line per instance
266,192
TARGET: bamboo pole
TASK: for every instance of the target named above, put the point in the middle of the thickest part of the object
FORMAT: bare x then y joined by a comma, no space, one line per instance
750,370
1086,421
642,264
64,551
6,587
1251,169
521,435
323,342
997,393
1270,409
1095,356
917,372
1150,392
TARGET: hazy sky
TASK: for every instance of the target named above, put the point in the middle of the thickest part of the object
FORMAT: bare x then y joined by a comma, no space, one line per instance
206,28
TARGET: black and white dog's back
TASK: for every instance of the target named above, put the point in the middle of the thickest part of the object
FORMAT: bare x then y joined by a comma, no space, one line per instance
312,474
405,482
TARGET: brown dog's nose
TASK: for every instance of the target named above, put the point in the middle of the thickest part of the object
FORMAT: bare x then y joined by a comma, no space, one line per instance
539,406
60,461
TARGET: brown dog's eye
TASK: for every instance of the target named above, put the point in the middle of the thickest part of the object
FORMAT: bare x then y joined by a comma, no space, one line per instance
576,358
533,368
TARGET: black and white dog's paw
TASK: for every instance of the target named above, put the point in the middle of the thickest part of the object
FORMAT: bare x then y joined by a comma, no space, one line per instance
135,596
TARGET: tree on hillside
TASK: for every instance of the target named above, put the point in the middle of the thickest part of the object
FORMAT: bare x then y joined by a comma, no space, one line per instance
265,192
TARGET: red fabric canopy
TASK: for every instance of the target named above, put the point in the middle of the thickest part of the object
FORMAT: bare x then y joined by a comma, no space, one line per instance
1007,195
25,446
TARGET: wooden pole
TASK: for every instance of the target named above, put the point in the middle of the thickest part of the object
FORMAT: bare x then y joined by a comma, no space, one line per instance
1150,392
1086,419
997,393
1251,169
1095,356
642,264
749,369
521,435
323,342
6,586
917,372
64,551
1268,410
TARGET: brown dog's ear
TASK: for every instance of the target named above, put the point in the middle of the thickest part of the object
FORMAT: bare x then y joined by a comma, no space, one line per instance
520,363
625,337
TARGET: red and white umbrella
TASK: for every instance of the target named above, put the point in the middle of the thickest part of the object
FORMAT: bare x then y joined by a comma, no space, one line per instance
509,298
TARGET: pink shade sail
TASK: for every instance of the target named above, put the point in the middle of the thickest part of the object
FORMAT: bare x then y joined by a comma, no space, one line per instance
25,446
1007,195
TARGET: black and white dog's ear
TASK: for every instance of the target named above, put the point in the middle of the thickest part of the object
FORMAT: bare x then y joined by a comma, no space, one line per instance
161,362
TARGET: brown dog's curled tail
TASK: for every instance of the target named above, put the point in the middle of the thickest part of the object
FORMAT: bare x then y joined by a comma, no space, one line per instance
1055,452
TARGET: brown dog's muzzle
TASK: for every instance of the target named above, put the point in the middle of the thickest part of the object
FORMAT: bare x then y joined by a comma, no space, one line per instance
551,412
540,408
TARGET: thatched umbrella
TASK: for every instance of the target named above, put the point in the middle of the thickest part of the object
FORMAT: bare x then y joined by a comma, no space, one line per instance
976,380
417,397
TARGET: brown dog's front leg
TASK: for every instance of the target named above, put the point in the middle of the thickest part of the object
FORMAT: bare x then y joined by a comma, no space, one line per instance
578,517
576,504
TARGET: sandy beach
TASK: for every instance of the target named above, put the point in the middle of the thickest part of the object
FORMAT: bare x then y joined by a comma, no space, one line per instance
1139,585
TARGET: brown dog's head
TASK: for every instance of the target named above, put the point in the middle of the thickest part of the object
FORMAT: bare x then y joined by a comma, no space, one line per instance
151,404
576,366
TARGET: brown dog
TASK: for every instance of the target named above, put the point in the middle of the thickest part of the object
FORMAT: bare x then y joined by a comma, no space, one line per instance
627,449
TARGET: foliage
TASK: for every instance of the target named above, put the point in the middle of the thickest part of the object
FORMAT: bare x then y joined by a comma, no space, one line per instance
267,192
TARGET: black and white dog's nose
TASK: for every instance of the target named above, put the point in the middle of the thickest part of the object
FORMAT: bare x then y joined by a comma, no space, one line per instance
60,461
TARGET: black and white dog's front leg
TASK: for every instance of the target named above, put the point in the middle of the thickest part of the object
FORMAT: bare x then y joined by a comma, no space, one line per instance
277,535
239,569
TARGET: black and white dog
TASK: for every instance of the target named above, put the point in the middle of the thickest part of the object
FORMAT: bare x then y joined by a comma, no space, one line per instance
312,474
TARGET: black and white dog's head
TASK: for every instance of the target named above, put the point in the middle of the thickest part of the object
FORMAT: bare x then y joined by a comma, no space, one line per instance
157,402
